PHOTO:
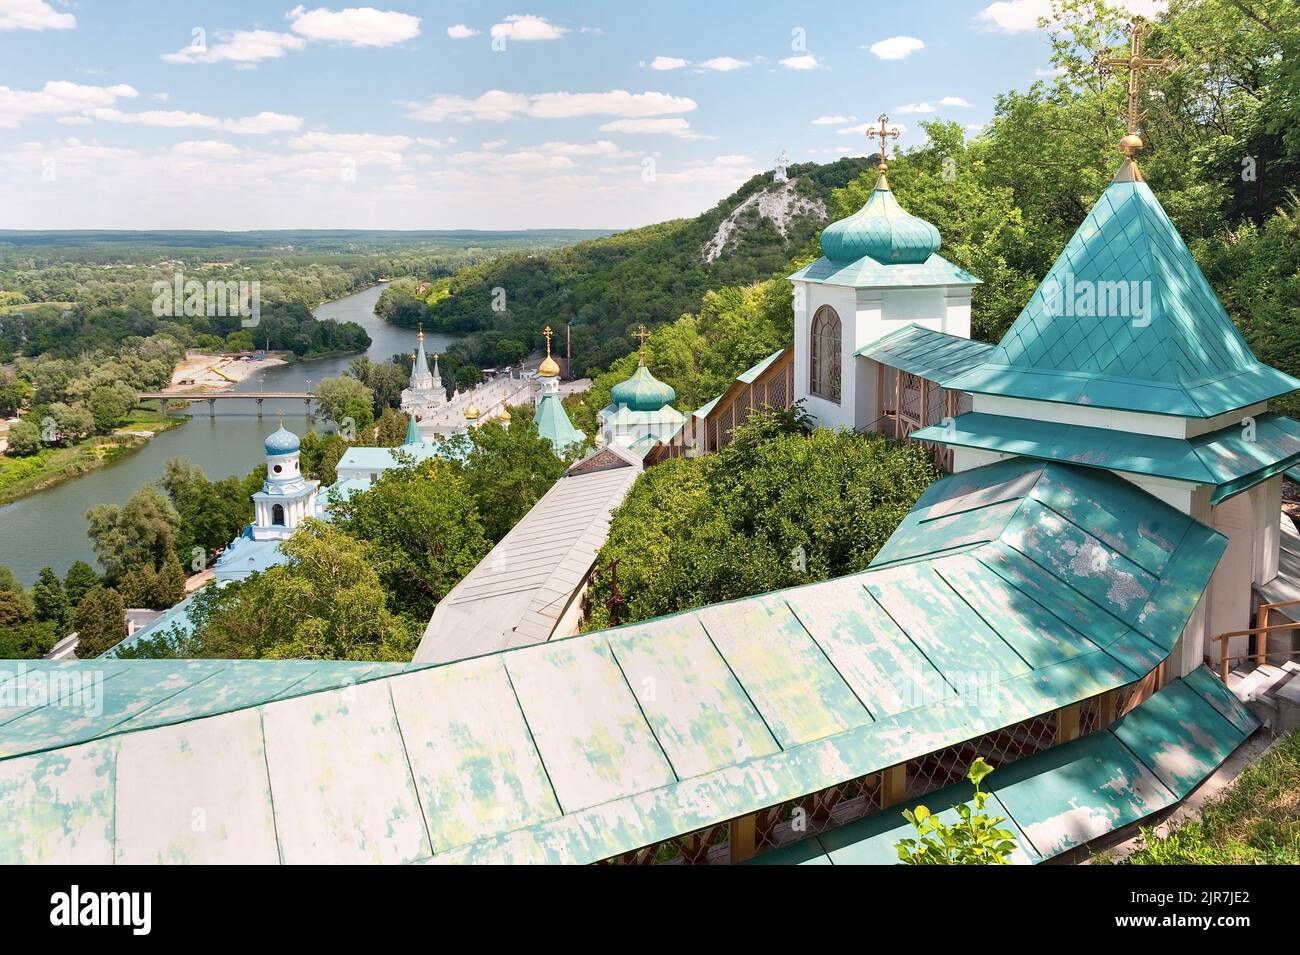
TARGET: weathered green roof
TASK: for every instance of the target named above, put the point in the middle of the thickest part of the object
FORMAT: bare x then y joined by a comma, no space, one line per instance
1181,355
642,391
866,272
883,230
1231,460
1066,796
1010,591
934,356
554,425
413,432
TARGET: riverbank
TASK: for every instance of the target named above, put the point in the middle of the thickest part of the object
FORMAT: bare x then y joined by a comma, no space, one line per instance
20,477
199,371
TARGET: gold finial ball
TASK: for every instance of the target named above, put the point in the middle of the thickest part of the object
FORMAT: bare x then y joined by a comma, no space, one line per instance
1131,145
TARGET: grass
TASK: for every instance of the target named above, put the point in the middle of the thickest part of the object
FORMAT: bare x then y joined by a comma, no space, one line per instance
20,477
1256,822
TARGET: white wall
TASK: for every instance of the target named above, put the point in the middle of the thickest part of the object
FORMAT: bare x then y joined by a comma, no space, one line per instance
866,316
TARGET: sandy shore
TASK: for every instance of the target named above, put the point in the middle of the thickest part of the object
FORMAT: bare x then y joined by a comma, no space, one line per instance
200,372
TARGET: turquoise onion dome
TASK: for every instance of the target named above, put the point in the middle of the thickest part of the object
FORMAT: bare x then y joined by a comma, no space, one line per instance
282,442
643,391
883,230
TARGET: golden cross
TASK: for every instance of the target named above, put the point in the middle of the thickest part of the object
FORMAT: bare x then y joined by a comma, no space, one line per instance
642,335
548,333
884,134
1135,62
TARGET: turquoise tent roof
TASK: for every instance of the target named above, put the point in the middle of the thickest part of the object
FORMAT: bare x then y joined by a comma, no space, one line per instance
282,441
934,356
1156,339
883,230
1009,592
554,425
413,432
642,392
1063,797
1230,460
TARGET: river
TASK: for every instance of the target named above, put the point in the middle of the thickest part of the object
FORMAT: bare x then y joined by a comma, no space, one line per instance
48,529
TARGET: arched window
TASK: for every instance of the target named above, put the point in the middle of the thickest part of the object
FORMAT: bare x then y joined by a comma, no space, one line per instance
824,372
277,515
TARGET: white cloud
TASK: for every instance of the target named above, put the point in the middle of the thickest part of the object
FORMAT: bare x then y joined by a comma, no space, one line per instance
350,142
461,32
436,143
806,62
499,105
493,144
602,148
262,123
723,64
55,97
896,47
1018,16
1050,73
956,101
915,108
242,47
527,29
33,15
523,161
677,127
667,63
206,149
833,120
355,26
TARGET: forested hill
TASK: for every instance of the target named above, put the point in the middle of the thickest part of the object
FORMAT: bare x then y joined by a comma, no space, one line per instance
652,275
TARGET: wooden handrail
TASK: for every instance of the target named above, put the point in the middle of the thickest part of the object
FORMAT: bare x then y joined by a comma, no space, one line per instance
1261,630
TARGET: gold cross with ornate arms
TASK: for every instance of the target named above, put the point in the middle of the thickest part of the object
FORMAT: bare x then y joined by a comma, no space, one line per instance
642,335
1135,63
548,333
884,134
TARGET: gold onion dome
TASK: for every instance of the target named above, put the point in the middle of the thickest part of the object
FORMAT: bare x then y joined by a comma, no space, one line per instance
472,413
549,368
503,414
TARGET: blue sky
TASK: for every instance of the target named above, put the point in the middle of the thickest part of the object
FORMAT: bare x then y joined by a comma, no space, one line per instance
408,115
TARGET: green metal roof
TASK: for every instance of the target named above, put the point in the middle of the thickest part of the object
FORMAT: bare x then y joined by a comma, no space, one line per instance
1181,355
554,425
883,230
1010,591
934,356
1231,460
642,391
866,272
1071,794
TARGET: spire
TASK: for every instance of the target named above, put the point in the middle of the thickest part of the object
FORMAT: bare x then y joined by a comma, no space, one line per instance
413,431
420,370
1135,63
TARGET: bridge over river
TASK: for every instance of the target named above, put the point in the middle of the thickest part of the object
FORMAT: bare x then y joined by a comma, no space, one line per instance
213,397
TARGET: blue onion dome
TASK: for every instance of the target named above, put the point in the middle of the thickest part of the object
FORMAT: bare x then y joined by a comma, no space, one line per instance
282,442
643,391
883,230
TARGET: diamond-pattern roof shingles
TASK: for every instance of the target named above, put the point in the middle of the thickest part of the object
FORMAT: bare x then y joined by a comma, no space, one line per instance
1156,322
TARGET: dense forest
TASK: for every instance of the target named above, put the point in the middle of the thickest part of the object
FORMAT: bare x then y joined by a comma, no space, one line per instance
606,287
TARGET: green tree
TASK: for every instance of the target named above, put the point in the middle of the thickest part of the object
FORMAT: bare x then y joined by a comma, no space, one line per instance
50,601
169,589
108,406
24,438
975,839
100,619
80,578
349,404
510,351
508,469
392,428
140,532
775,508
15,610
27,641
326,603
422,530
